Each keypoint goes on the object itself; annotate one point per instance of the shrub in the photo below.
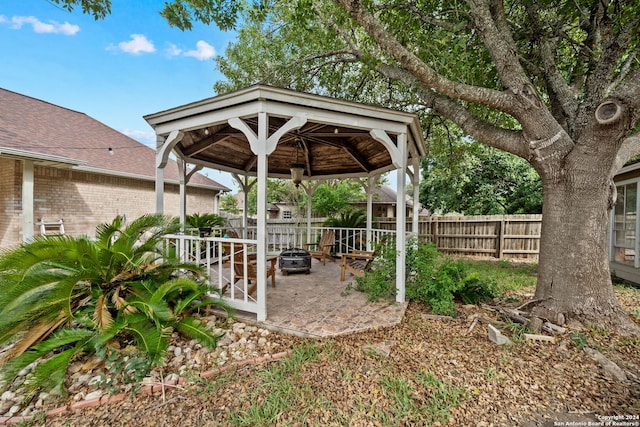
(378, 282)
(64, 298)
(431, 278)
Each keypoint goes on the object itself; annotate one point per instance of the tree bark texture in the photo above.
(574, 280)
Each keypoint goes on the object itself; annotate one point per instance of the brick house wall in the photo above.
(84, 200)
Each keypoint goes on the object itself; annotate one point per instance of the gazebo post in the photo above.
(371, 184)
(262, 145)
(401, 219)
(261, 234)
(246, 187)
(415, 182)
(163, 149)
(160, 164)
(183, 191)
(309, 189)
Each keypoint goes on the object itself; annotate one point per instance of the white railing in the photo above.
(222, 257)
(227, 260)
(281, 237)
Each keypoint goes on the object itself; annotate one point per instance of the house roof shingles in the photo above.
(41, 130)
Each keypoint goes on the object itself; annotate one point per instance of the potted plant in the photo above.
(205, 223)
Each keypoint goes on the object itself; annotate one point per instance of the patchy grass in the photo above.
(440, 372)
(510, 276)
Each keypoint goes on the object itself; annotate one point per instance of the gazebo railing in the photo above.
(219, 255)
(281, 237)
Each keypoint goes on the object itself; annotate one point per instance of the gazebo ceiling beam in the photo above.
(250, 164)
(358, 159)
(203, 145)
(348, 148)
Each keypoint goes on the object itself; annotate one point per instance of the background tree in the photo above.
(278, 191)
(229, 204)
(556, 83)
(334, 196)
(480, 180)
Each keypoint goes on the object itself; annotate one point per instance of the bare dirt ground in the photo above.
(437, 372)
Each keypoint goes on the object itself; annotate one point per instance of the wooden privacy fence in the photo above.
(499, 236)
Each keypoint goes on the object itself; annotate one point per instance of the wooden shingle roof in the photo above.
(336, 139)
(53, 135)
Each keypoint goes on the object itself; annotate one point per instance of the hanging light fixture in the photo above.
(297, 168)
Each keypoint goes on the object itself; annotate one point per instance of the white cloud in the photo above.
(202, 52)
(52, 27)
(173, 50)
(137, 45)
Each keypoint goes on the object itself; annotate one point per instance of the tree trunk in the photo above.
(574, 282)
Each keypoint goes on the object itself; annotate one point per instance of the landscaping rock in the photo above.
(381, 348)
(495, 336)
(609, 367)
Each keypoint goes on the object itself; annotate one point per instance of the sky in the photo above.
(116, 70)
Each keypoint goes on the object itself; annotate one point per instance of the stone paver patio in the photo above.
(316, 305)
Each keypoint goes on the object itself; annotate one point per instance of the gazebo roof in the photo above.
(336, 139)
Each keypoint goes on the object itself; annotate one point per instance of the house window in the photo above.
(624, 226)
(286, 214)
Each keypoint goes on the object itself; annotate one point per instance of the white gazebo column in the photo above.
(309, 190)
(399, 158)
(183, 191)
(262, 145)
(163, 149)
(415, 183)
(246, 187)
(401, 220)
(27, 199)
(372, 181)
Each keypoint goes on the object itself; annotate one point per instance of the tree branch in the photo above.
(613, 48)
(629, 93)
(493, 29)
(557, 86)
(631, 60)
(449, 26)
(629, 149)
(424, 73)
(494, 136)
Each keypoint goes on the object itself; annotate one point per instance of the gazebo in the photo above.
(263, 131)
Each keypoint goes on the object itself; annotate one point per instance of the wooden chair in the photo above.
(323, 247)
(252, 271)
(356, 263)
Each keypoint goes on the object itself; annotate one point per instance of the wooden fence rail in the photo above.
(499, 236)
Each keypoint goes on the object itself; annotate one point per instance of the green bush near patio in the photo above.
(64, 299)
(431, 278)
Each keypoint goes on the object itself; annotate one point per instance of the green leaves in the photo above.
(73, 295)
(472, 179)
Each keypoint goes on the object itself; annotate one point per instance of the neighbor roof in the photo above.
(56, 136)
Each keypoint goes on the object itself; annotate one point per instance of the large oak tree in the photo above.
(556, 83)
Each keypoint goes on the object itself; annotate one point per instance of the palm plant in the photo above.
(349, 218)
(197, 220)
(63, 298)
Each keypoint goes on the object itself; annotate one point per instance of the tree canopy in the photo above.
(480, 180)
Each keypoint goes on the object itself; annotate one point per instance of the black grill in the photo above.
(294, 260)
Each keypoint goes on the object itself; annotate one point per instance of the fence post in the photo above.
(434, 232)
(500, 237)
